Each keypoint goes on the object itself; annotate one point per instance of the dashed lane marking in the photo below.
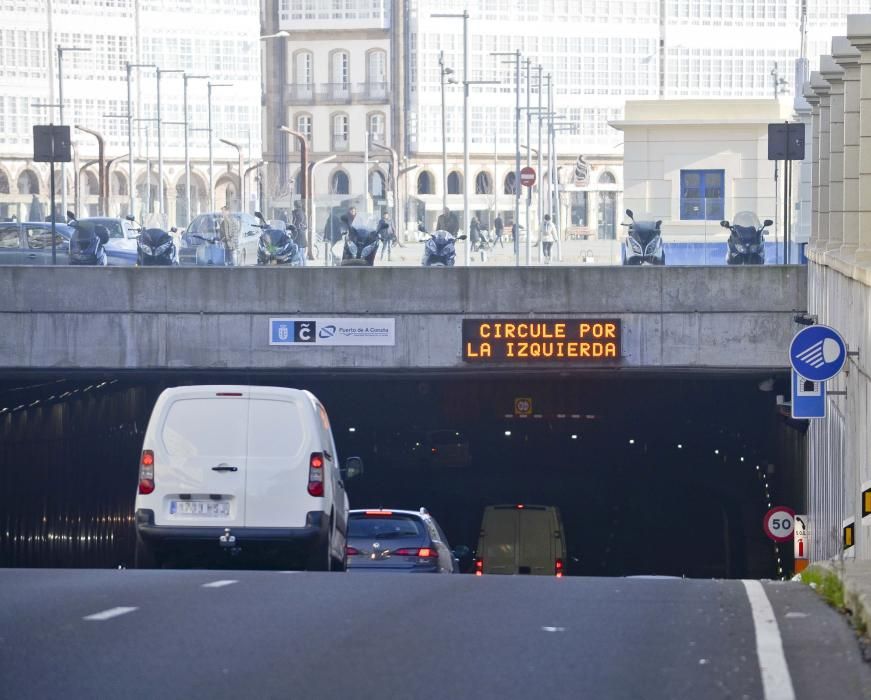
(109, 614)
(776, 681)
(220, 584)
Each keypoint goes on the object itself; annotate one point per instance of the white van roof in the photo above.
(250, 391)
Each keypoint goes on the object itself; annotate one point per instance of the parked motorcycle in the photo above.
(746, 244)
(87, 243)
(360, 247)
(277, 245)
(211, 252)
(156, 247)
(440, 249)
(643, 243)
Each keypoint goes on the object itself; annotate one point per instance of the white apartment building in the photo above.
(214, 38)
(329, 77)
(600, 53)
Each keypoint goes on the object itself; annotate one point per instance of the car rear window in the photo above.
(385, 527)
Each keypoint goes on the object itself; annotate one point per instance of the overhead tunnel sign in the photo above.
(569, 341)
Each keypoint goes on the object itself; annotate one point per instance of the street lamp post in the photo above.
(101, 169)
(465, 17)
(60, 95)
(307, 180)
(161, 194)
(131, 189)
(444, 72)
(540, 68)
(187, 160)
(241, 183)
(211, 159)
(311, 220)
(528, 154)
(394, 174)
(516, 59)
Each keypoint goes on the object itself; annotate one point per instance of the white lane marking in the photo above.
(553, 629)
(796, 614)
(109, 614)
(776, 681)
(220, 584)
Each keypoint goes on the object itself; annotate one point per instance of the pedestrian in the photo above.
(387, 233)
(498, 226)
(548, 237)
(37, 213)
(449, 222)
(228, 232)
(474, 233)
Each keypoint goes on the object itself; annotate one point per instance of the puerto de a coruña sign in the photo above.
(554, 340)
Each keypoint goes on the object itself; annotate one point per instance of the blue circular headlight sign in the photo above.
(817, 353)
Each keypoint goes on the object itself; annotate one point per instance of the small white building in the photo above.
(693, 163)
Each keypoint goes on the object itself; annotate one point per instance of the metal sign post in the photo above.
(51, 144)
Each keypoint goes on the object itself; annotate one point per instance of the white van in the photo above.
(521, 539)
(240, 468)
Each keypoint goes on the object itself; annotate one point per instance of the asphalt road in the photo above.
(170, 634)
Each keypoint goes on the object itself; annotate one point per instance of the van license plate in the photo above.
(208, 509)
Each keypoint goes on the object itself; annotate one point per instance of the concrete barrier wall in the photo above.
(134, 318)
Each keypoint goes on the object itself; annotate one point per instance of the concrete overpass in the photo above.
(671, 318)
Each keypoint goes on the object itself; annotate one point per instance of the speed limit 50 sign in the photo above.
(779, 523)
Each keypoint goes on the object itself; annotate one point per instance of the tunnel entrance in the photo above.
(654, 475)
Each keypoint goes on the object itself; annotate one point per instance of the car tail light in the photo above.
(378, 513)
(146, 472)
(479, 567)
(423, 552)
(558, 568)
(316, 474)
(351, 551)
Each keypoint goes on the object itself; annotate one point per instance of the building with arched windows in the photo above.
(217, 39)
(330, 80)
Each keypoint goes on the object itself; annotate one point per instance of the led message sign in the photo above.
(553, 339)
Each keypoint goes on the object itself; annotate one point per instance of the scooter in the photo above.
(360, 247)
(156, 247)
(210, 253)
(440, 249)
(643, 243)
(277, 246)
(746, 244)
(87, 243)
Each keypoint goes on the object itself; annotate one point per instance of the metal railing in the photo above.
(338, 93)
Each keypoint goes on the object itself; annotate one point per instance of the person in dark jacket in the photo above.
(387, 234)
(498, 226)
(448, 221)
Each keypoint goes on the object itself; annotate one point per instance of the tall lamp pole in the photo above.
(211, 159)
(307, 179)
(161, 193)
(102, 194)
(444, 71)
(187, 159)
(60, 100)
(516, 59)
(241, 182)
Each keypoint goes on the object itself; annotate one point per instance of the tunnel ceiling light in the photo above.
(679, 446)
(574, 436)
(631, 441)
(352, 430)
(757, 467)
(507, 433)
(716, 452)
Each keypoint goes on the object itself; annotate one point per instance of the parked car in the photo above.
(121, 248)
(408, 541)
(521, 539)
(205, 227)
(29, 243)
(229, 470)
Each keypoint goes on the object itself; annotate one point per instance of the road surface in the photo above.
(247, 634)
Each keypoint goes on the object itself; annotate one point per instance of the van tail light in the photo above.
(316, 474)
(422, 552)
(146, 472)
(479, 567)
(351, 551)
(558, 568)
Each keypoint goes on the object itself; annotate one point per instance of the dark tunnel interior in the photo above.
(654, 474)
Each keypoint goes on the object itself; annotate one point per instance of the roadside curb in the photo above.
(855, 578)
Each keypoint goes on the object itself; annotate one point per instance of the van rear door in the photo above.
(281, 438)
(536, 539)
(500, 539)
(199, 472)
